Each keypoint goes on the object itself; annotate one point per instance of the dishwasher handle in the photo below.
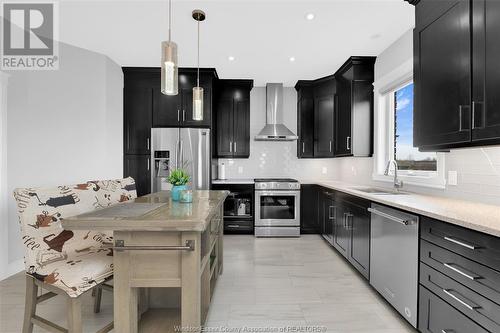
(390, 217)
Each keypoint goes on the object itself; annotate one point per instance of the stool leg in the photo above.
(74, 315)
(30, 304)
(97, 299)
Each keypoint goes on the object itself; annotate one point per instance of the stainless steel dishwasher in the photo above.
(394, 258)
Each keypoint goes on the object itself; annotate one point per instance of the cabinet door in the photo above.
(137, 107)
(309, 202)
(305, 144)
(486, 72)
(358, 221)
(322, 198)
(241, 128)
(324, 115)
(442, 75)
(166, 109)
(341, 235)
(343, 107)
(225, 128)
(138, 167)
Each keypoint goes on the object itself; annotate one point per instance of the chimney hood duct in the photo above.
(274, 129)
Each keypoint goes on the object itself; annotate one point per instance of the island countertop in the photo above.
(153, 212)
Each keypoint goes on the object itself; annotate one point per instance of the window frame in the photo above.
(384, 89)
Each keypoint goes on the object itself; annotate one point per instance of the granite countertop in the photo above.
(234, 181)
(476, 216)
(153, 212)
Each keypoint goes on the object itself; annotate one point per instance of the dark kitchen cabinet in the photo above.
(486, 72)
(335, 113)
(309, 209)
(232, 127)
(177, 110)
(324, 114)
(442, 73)
(354, 107)
(358, 225)
(137, 107)
(235, 220)
(138, 167)
(351, 236)
(456, 76)
(305, 119)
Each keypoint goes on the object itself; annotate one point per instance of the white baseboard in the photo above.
(13, 268)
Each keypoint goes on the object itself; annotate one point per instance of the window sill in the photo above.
(433, 182)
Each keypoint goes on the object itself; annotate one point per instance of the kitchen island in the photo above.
(159, 243)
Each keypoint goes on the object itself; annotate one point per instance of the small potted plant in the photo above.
(178, 178)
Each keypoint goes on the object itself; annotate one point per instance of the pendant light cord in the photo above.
(198, 79)
(169, 20)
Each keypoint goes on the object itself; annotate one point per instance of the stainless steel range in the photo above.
(277, 208)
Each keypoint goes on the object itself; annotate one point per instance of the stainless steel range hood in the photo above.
(274, 129)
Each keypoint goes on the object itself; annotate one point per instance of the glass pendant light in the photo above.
(199, 16)
(169, 71)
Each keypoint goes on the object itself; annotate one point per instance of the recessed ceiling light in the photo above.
(230, 58)
(309, 16)
(292, 59)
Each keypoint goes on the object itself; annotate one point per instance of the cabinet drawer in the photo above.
(470, 303)
(238, 226)
(481, 279)
(474, 245)
(437, 316)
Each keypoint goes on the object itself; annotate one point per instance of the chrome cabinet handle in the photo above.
(120, 246)
(390, 217)
(235, 146)
(232, 226)
(183, 115)
(446, 331)
(330, 146)
(147, 142)
(303, 147)
(348, 143)
(230, 146)
(471, 276)
(330, 216)
(178, 115)
(450, 292)
(149, 164)
(461, 243)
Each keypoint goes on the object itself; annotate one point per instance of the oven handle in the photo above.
(276, 193)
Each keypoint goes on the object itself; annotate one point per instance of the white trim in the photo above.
(13, 268)
(400, 76)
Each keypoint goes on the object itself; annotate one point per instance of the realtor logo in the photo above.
(29, 36)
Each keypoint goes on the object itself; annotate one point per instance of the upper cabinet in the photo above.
(177, 111)
(455, 74)
(137, 111)
(305, 119)
(232, 118)
(354, 107)
(335, 113)
(324, 115)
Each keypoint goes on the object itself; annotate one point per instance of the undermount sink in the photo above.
(376, 191)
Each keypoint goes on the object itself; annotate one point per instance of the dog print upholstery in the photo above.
(73, 261)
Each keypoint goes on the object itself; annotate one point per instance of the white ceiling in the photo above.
(261, 35)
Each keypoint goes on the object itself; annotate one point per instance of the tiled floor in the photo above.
(266, 283)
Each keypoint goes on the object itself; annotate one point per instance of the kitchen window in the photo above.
(394, 134)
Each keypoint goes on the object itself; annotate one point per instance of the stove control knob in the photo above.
(263, 185)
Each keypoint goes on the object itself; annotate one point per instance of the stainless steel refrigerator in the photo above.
(186, 148)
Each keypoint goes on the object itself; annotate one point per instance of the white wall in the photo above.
(478, 168)
(4, 250)
(276, 158)
(64, 126)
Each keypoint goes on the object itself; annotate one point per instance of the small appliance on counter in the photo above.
(222, 171)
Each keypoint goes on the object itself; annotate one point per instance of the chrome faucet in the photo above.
(397, 183)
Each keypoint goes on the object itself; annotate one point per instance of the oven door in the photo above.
(277, 208)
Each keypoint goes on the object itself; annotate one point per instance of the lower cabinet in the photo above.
(345, 223)
(309, 209)
(239, 208)
(138, 167)
(437, 316)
